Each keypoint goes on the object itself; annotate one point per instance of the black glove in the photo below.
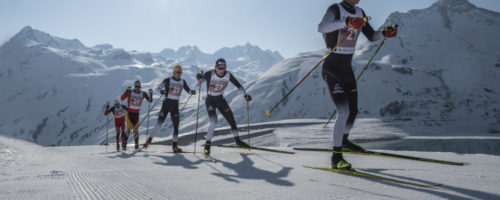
(199, 76)
(129, 89)
(150, 91)
(193, 92)
(162, 92)
(248, 97)
(107, 106)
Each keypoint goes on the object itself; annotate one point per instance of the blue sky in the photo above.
(287, 26)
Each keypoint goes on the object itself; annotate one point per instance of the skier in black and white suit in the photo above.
(171, 87)
(345, 20)
(217, 81)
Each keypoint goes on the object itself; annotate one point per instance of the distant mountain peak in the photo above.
(454, 4)
(27, 35)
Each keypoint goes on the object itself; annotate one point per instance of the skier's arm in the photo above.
(109, 110)
(125, 94)
(237, 84)
(147, 97)
(186, 87)
(331, 20)
(124, 107)
(163, 85)
(371, 34)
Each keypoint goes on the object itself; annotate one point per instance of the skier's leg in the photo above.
(212, 115)
(228, 114)
(339, 98)
(175, 120)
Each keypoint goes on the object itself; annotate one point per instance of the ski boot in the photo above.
(338, 161)
(348, 145)
(240, 143)
(176, 148)
(124, 146)
(136, 140)
(145, 145)
(117, 146)
(206, 151)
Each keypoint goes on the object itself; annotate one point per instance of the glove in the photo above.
(390, 31)
(356, 22)
(199, 76)
(162, 92)
(193, 92)
(129, 89)
(248, 97)
(107, 106)
(150, 91)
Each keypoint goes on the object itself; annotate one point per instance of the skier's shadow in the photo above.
(178, 160)
(246, 170)
(471, 193)
(124, 154)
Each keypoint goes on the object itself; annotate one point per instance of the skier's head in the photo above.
(177, 71)
(220, 66)
(352, 2)
(117, 103)
(137, 86)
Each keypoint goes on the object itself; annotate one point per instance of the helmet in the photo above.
(220, 61)
(117, 101)
(177, 68)
(137, 83)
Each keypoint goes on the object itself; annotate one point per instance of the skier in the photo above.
(217, 81)
(345, 20)
(118, 111)
(134, 107)
(172, 88)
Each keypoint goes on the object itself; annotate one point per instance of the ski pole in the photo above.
(362, 71)
(197, 114)
(187, 101)
(268, 112)
(147, 124)
(107, 126)
(149, 110)
(248, 126)
(331, 117)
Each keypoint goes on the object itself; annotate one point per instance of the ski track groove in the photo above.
(108, 184)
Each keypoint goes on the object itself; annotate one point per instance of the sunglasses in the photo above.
(178, 72)
(221, 68)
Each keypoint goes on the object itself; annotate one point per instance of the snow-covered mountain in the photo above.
(247, 62)
(55, 89)
(441, 70)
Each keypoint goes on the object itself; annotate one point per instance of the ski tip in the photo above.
(268, 112)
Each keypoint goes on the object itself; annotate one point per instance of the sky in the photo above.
(286, 26)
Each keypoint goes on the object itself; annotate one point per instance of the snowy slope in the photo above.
(90, 172)
(55, 89)
(441, 70)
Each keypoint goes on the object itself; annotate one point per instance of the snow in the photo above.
(29, 171)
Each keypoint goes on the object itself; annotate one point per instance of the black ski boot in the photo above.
(338, 161)
(240, 143)
(118, 146)
(348, 145)
(207, 147)
(176, 148)
(124, 142)
(124, 146)
(136, 143)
